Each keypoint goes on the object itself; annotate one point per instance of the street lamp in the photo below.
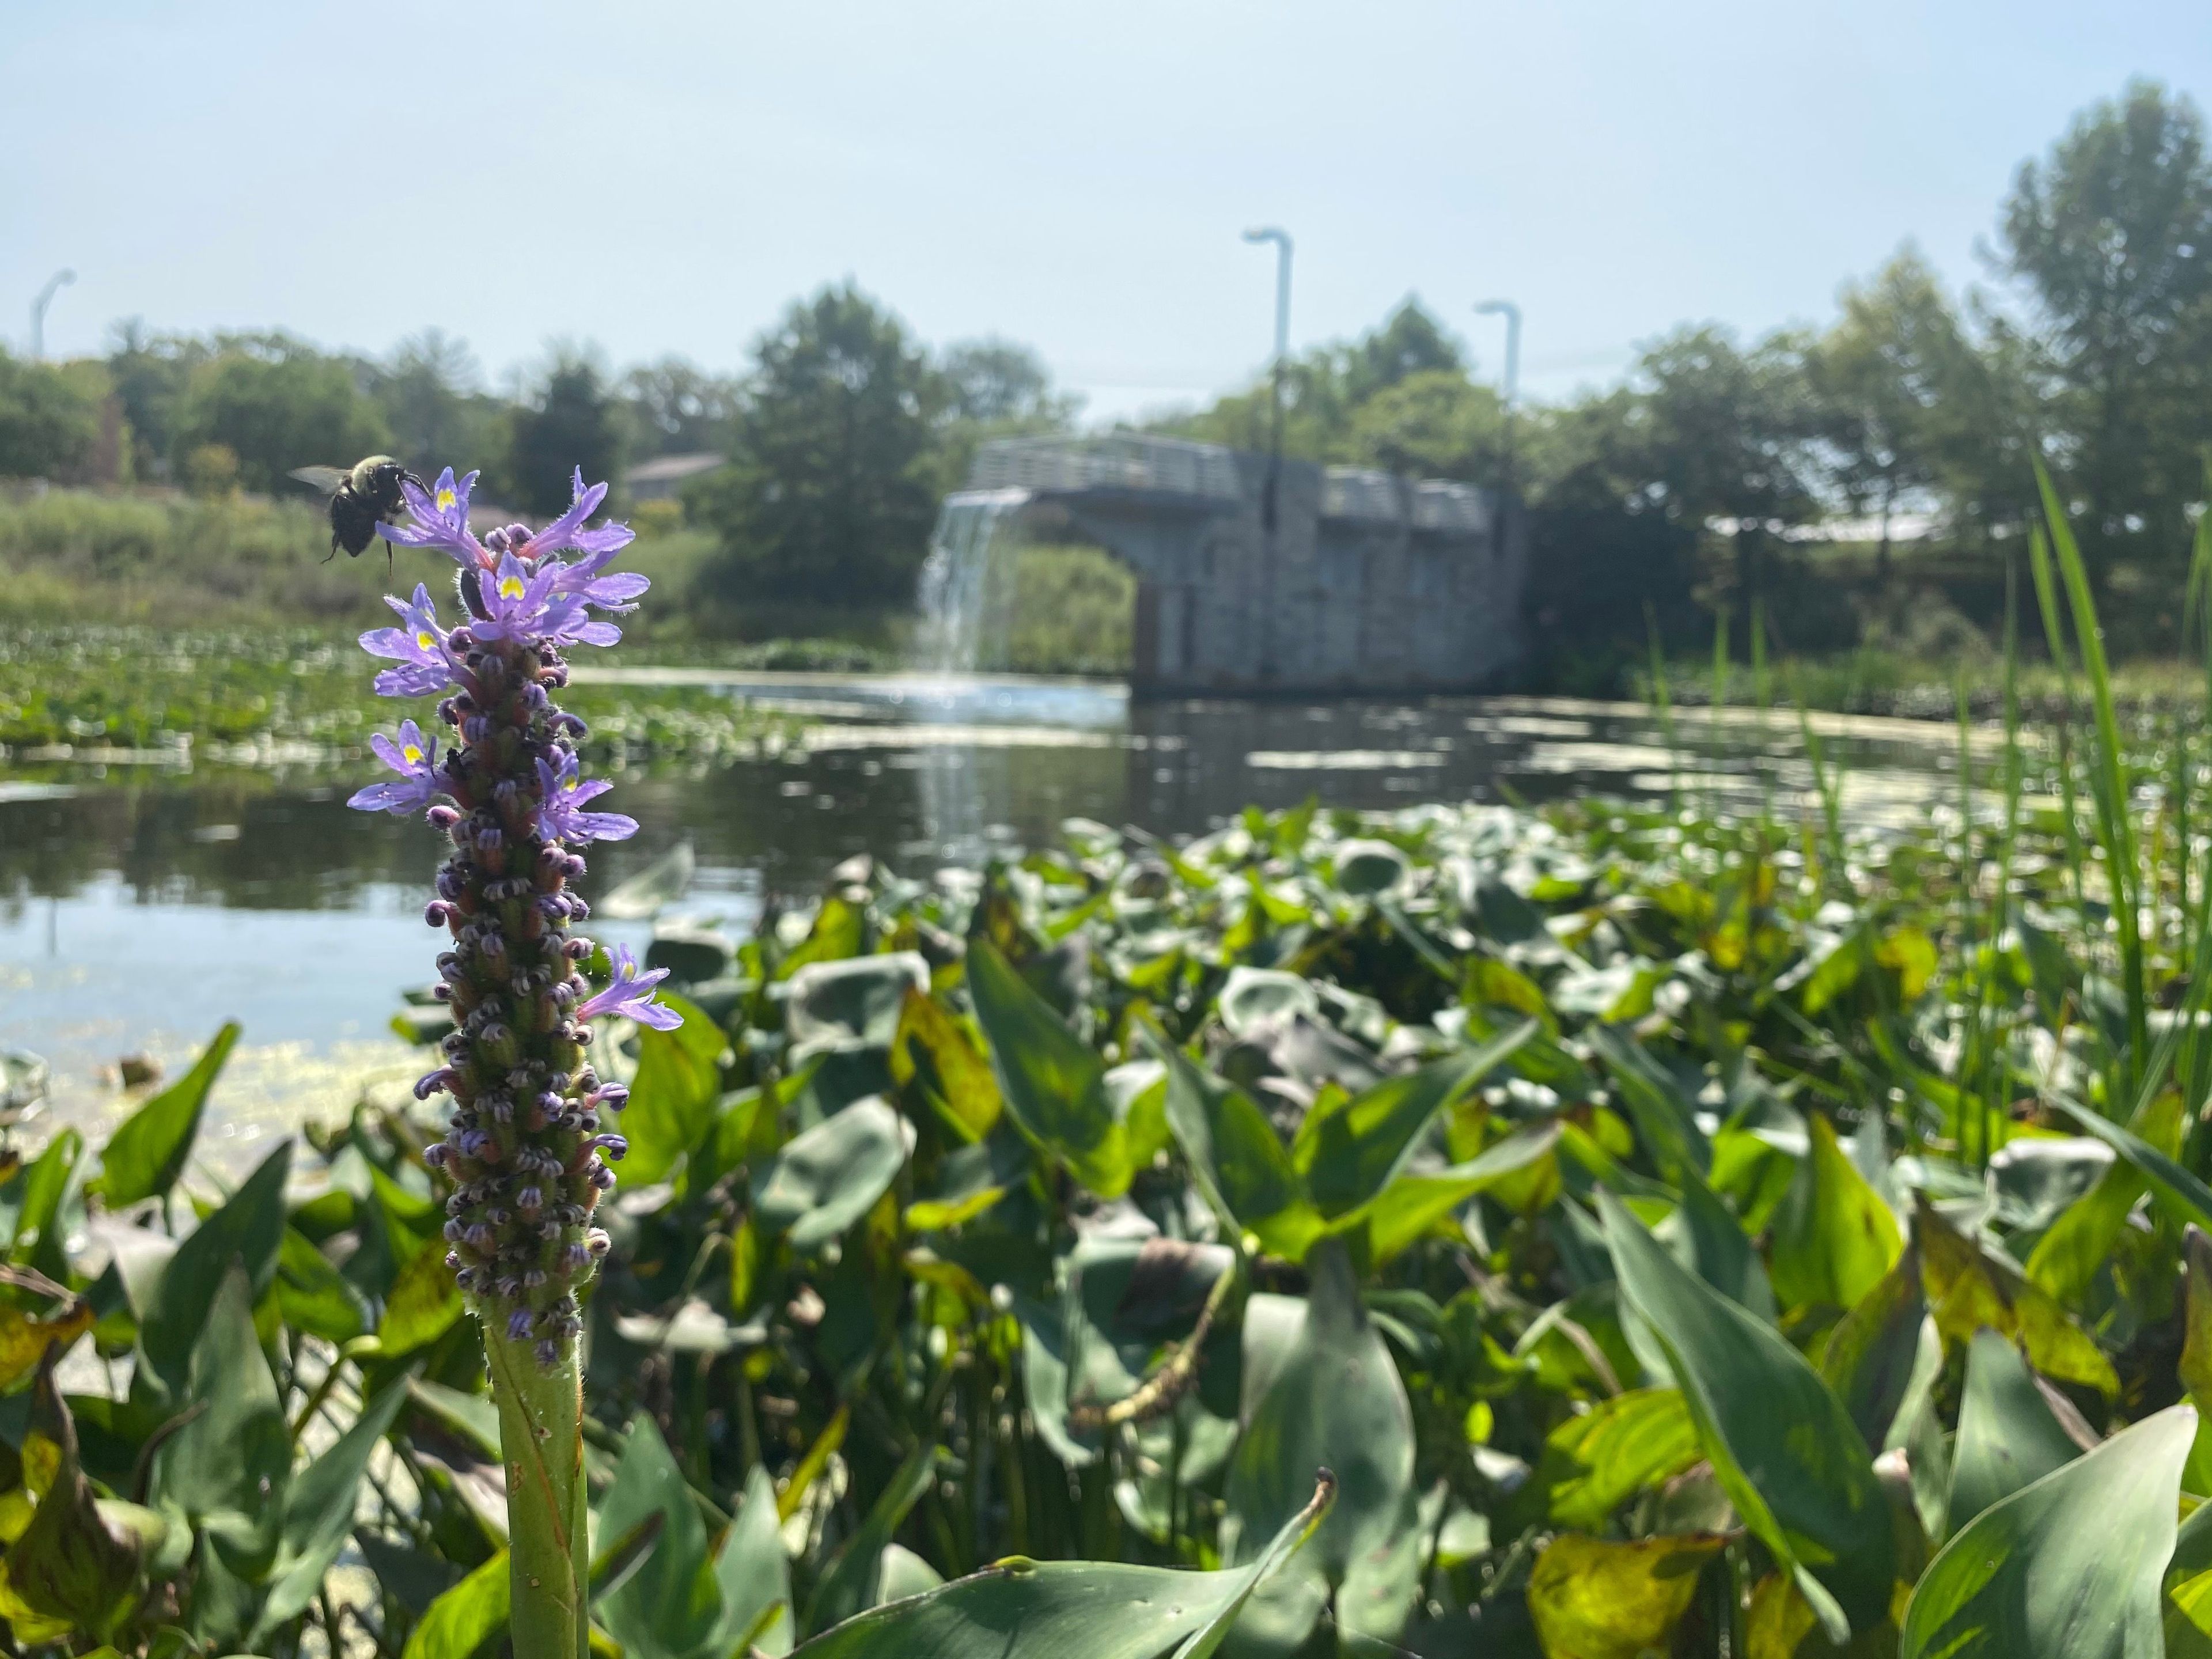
(59, 279)
(1511, 312)
(1281, 238)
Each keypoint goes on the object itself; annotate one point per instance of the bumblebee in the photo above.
(361, 499)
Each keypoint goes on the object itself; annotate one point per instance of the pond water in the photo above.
(141, 909)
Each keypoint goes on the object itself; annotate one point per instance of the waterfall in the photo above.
(966, 595)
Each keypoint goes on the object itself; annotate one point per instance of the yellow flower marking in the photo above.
(414, 755)
(511, 588)
(425, 640)
(445, 500)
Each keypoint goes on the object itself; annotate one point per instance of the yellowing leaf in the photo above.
(1969, 1289)
(1593, 1599)
(963, 1086)
(1911, 955)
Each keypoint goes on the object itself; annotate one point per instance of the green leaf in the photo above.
(1594, 1463)
(1968, 1288)
(1350, 1148)
(1237, 1159)
(1782, 1445)
(673, 1096)
(753, 1574)
(423, 1305)
(466, 1617)
(313, 1296)
(669, 1607)
(1054, 1086)
(249, 1230)
(318, 1512)
(1365, 868)
(849, 1585)
(1835, 1238)
(2174, 1183)
(226, 1469)
(1025, 1610)
(2078, 1246)
(1335, 1401)
(1869, 1356)
(147, 1153)
(45, 1185)
(1410, 1207)
(900, 1574)
(826, 1178)
(851, 1006)
(72, 1564)
(1592, 1598)
(2068, 1568)
(1704, 1235)
(2008, 1437)
(1665, 1118)
(960, 1076)
(2188, 1583)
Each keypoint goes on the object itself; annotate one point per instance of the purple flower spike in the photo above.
(414, 757)
(561, 817)
(440, 520)
(521, 1147)
(631, 995)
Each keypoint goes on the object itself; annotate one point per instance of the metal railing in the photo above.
(1165, 466)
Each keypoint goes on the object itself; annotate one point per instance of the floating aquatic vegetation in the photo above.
(1671, 1231)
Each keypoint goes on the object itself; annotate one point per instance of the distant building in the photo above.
(663, 479)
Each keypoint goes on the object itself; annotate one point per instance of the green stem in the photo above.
(541, 1428)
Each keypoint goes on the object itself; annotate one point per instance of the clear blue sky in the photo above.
(665, 177)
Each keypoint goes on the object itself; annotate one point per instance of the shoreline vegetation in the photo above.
(1467, 1228)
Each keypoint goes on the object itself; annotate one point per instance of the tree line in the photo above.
(2090, 346)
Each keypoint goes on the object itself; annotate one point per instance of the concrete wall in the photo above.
(1365, 582)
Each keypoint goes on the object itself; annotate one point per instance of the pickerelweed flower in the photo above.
(417, 645)
(439, 518)
(524, 1148)
(630, 995)
(414, 757)
(563, 793)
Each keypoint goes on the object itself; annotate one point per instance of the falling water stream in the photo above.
(965, 596)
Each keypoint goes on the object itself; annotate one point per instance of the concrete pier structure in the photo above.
(1345, 581)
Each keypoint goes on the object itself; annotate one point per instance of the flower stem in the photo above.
(541, 1425)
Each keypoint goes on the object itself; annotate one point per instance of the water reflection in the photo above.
(140, 913)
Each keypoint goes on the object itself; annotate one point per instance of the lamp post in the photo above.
(59, 279)
(1281, 238)
(1511, 312)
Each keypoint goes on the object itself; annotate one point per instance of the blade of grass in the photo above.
(2115, 824)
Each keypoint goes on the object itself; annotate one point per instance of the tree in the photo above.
(997, 383)
(1325, 389)
(1727, 433)
(2112, 234)
(1410, 342)
(570, 423)
(147, 373)
(429, 391)
(1877, 381)
(49, 419)
(1433, 424)
(676, 408)
(276, 403)
(831, 491)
